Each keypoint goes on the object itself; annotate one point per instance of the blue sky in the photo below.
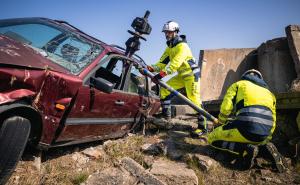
(208, 24)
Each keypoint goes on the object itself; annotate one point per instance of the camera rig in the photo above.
(141, 26)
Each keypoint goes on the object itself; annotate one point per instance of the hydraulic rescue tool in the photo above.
(141, 26)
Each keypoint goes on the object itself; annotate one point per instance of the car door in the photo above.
(99, 115)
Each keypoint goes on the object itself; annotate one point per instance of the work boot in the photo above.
(201, 130)
(163, 119)
(276, 157)
(248, 159)
(197, 133)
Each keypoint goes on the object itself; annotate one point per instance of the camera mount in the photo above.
(141, 26)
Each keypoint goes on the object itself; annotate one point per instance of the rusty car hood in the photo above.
(17, 54)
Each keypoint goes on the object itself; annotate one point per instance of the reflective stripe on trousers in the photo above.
(166, 104)
(257, 114)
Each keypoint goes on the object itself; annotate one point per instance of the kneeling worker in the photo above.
(254, 109)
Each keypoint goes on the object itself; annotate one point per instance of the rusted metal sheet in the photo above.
(221, 68)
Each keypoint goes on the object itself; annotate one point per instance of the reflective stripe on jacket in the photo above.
(254, 107)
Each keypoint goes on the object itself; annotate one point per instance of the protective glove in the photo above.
(159, 76)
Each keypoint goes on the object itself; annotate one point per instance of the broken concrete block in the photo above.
(154, 149)
(80, 159)
(224, 67)
(37, 163)
(116, 176)
(293, 37)
(172, 151)
(95, 153)
(274, 60)
(174, 173)
(204, 163)
(139, 172)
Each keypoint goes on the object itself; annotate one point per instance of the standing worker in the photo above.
(178, 57)
(253, 106)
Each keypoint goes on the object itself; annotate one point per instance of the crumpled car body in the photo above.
(50, 73)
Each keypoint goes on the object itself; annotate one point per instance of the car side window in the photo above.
(137, 82)
(112, 71)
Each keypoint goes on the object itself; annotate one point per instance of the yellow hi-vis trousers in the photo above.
(231, 140)
(192, 88)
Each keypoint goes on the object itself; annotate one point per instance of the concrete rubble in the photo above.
(165, 171)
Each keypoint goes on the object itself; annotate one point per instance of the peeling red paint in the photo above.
(15, 95)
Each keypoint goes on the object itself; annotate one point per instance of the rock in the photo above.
(139, 172)
(297, 179)
(293, 37)
(178, 134)
(204, 163)
(172, 152)
(95, 153)
(295, 85)
(270, 179)
(162, 123)
(116, 176)
(80, 159)
(107, 143)
(263, 172)
(173, 173)
(154, 149)
(148, 160)
(16, 179)
(37, 162)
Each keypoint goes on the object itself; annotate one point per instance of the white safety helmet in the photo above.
(171, 26)
(253, 72)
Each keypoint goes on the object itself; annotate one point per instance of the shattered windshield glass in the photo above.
(69, 50)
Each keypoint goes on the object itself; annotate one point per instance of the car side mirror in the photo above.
(102, 84)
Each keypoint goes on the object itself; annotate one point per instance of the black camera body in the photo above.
(141, 25)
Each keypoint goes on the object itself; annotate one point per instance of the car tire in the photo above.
(14, 134)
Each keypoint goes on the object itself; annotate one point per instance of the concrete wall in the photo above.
(276, 64)
(222, 67)
(293, 37)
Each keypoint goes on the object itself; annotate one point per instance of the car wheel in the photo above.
(14, 134)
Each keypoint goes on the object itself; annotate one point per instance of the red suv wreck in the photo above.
(60, 86)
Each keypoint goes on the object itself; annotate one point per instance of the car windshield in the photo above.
(69, 50)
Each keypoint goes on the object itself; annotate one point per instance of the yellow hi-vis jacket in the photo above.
(250, 102)
(177, 57)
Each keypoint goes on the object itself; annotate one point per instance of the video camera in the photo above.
(141, 25)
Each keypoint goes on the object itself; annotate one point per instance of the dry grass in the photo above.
(126, 148)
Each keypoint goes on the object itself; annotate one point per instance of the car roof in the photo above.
(66, 26)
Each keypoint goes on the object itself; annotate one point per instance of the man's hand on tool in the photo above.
(159, 76)
(149, 68)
